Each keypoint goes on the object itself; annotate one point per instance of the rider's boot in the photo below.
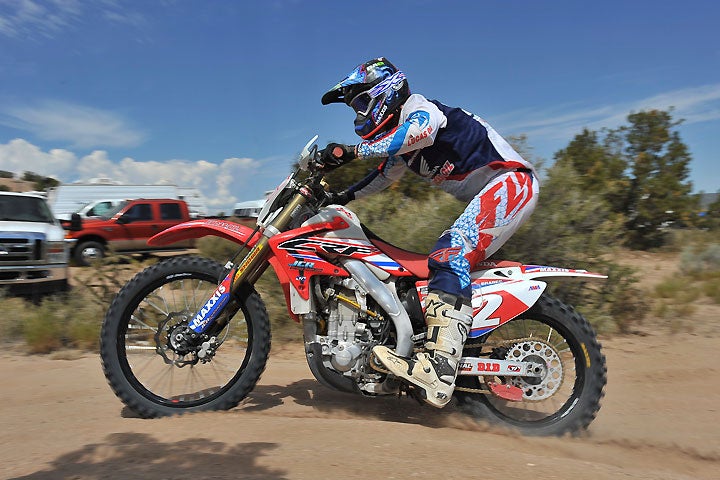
(433, 371)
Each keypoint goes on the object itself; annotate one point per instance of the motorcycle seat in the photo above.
(413, 262)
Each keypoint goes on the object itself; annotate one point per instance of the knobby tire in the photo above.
(169, 277)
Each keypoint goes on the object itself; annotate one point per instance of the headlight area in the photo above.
(57, 252)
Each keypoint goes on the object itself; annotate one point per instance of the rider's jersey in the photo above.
(452, 148)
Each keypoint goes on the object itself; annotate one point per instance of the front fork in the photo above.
(246, 273)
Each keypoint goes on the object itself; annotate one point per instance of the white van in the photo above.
(249, 209)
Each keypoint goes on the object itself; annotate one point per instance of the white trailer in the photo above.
(70, 198)
(195, 201)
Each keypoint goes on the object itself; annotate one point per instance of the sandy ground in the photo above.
(660, 419)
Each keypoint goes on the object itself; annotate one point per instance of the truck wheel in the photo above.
(88, 252)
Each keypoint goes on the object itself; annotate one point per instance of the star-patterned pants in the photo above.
(488, 221)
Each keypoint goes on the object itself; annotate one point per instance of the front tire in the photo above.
(139, 362)
(88, 252)
(565, 401)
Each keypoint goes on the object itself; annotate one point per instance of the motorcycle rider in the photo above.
(460, 153)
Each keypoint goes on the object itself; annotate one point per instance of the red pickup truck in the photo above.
(126, 228)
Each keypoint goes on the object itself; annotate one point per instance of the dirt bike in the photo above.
(190, 334)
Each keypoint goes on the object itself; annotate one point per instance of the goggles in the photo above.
(362, 103)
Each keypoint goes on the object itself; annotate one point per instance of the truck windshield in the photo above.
(108, 214)
(24, 209)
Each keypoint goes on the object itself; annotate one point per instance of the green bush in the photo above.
(71, 320)
(711, 289)
(68, 321)
(698, 275)
(44, 330)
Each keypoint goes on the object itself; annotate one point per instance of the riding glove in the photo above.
(335, 155)
(340, 198)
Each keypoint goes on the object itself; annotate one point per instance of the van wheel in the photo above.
(88, 252)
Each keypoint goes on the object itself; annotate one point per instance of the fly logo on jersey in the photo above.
(519, 192)
(425, 169)
(446, 254)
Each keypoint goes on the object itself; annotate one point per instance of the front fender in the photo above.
(201, 228)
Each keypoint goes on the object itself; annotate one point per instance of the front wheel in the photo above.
(88, 252)
(566, 399)
(142, 361)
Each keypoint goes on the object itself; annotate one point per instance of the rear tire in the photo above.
(141, 366)
(559, 406)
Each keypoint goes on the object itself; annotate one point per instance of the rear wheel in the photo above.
(153, 374)
(567, 397)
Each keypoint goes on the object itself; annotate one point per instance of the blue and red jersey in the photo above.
(451, 148)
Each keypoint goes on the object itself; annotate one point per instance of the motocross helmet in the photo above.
(375, 90)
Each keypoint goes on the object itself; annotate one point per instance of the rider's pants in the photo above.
(488, 221)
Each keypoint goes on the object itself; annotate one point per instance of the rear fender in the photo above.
(201, 228)
(502, 293)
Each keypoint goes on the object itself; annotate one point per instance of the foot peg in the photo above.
(506, 392)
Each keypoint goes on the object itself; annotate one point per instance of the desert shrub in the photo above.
(711, 289)
(217, 248)
(697, 276)
(677, 289)
(680, 239)
(100, 282)
(67, 321)
(574, 228)
(700, 259)
(15, 313)
(412, 224)
(44, 329)
(71, 320)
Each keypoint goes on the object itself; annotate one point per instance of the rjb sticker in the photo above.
(488, 367)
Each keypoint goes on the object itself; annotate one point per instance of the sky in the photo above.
(222, 95)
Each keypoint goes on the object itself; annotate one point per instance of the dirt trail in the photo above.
(659, 420)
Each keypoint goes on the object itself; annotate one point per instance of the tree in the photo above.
(600, 165)
(40, 183)
(659, 190)
(639, 171)
(573, 227)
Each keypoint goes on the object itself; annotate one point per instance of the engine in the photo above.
(348, 325)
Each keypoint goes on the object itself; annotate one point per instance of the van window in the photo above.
(170, 211)
(247, 212)
(139, 212)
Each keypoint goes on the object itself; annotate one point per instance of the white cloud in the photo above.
(219, 183)
(21, 156)
(46, 19)
(694, 105)
(33, 18)
(82, 126)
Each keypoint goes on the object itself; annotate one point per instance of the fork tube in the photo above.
(249, 270)
(253, 265)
